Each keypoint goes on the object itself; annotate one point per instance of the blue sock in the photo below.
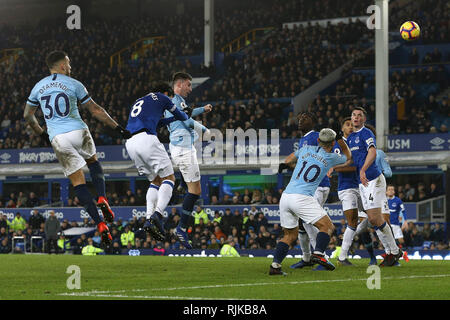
(88, 202)
(322, 241)
(188, 206)
(98, 179)
(281, 252)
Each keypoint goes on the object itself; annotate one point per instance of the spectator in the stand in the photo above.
(226, 222)
(434, 191)
(4, 223)
(443, 129)
(237, 220)
(52, 227)
(35, 219)
(200, 214)
(5, 246)
(416, 238)
(33, 201)
(77, 247)
(426, 232)
(438, 234)
(261, 220)
(257, 197)
(226, 200)
(217, 217)
(22, 200)
(18, 223)
(219, 234)
(11, 204)
(214, 200)
(409, 192)
(127, 237)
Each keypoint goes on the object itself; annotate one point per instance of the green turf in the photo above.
(155, 277)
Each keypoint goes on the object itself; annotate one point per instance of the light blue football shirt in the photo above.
(58, 95)
(312, 165)
(383, 164)
(182, 133)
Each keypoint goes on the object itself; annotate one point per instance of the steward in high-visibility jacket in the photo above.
(229, 251)
(127, 236)
(90, 250)
(18, 223)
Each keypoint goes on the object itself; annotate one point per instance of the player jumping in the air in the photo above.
(58, 95)
(182, 138)
(148, 153)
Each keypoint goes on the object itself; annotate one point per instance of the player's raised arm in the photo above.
(101, 115)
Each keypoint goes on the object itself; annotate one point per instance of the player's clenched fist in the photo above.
(208, 108)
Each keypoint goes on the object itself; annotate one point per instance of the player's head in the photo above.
(182, 83)
(306, 121)
(390, 190)
(359, 117)
(58, 62)
(327, 139)
(163, 87)
(346, 126)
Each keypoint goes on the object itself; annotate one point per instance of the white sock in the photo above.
(346, 242)
(304, 245)
(389, 238)
(152, 198)
(383, 241)
(362, 226)
(164, 195)
(312, 233)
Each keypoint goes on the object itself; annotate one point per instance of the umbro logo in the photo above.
(437, 141)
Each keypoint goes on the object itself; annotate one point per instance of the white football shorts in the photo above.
(149, 156)
(186, 161)
(350, 199)
(374, 195)
(321, 195)
(294, 206)
(72, 148)
(397, 230)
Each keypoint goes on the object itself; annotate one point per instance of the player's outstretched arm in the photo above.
(385, 167)
(200, 110)
(101, 115)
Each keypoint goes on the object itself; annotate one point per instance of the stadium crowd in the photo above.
(277, 66)
(244, 230)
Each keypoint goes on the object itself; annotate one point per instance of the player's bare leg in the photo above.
(289, 237)
(87, 200)
(326, 229)
(98, 180)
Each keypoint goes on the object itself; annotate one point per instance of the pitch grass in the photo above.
(155, 277)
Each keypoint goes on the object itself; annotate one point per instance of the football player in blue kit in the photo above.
(58, 96)
(148, 153)
(372, 183)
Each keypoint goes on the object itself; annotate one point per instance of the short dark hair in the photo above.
(54, 57)
(312, 115)
(361, 109)
(162, 86)
(180, 76)
(345, 119)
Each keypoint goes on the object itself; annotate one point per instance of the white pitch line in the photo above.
(88, 294)
(108, 293)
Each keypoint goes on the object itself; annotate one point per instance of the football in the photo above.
(410, 31)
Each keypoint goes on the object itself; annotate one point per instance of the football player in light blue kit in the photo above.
(297, 201)
(184, 155)
(372, 183)
(58, 95)
(148, 153)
